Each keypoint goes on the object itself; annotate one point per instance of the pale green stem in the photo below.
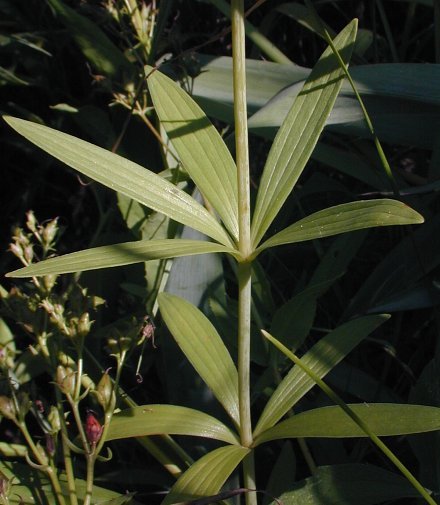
(262, 42)
(89, 478)
(44, 466)
(244, 267)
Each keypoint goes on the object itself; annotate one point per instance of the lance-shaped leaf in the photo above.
(343, 218)
(168, 420)
(299, 132)
(207, 475)
(384, 419)
(124, 176)
(201, 150)
(115, 255)
(204, 348)
(322, 358)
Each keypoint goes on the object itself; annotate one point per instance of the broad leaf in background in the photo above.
(343, 218)
(117, 255)
(347, 485)
(124, 176)
(299, 133)
(169, 420)
(207, 475)
(323, 356)
(204, 348)
(384, 419)
(201, 150)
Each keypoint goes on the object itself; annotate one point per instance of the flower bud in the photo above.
(50, 231)
(65, 379)
(54, 420)
(28, 253)
(49, 281)
(93, 429)
(31, 222)
(84, 325)
(104, 391)
(7, 408)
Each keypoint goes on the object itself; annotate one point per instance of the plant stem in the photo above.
(244, 267)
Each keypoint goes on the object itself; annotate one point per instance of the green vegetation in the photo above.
(251, 207)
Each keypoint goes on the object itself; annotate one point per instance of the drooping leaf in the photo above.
(384, 419)
(349, 484)
(122, 175)
(323, 356)
(299, 133)
(207, 475)
(168, 420)
(204, 348)
(114, 255)
(343, 218)
(202, 151)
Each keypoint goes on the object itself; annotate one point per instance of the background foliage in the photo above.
(73, 66)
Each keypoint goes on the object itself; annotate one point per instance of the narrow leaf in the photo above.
(201, 150)
(322, 358)
(122, 175)
(115, 255)
(207, 475)
(204, 348)
(343, 218)
(384, 419)
(299, 133)
(168, 420)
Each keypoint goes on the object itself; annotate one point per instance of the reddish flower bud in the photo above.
(93, 428)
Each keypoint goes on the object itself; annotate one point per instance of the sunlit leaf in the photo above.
(299, 133)
(384, 419)
(201, 149)
(343, 218)
(204, 348)
(115, 255)
(122, 175)
(169, 420)
(323, 356)
(207, 475)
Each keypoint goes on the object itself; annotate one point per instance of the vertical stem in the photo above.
(241, 128)
(245, 247)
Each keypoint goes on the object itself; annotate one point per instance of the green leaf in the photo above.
(323, 356)
(349, 484)
(343, 218)
(168, 420)
(115, 255)
(122, 175)
(299, 133)
(201, 150)
(384, 419)
(207, 475)
(105, 57)
(204, 348)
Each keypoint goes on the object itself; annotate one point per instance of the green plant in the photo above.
(225, 187)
